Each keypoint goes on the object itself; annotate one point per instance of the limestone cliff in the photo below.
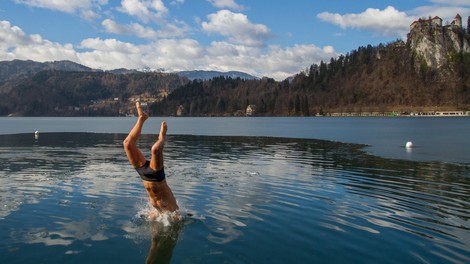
(436, 45)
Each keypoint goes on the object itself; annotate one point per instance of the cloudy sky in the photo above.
(262, 37)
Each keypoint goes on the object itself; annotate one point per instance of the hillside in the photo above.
(14, 72)
(62, 93)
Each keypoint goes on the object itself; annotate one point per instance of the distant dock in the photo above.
(442, 113)
(424, 113)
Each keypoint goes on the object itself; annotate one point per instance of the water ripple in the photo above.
(309, 197)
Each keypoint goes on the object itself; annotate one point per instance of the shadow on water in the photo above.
(253, 199)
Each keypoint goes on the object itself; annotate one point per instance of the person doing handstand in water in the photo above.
(151, 172)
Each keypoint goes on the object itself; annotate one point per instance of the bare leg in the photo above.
(160, 193)
(133, 153)
(156, 161)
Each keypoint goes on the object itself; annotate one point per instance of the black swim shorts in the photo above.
(148, 174)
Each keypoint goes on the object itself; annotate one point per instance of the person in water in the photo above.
(151, 172)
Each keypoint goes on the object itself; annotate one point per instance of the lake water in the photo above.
(252, 190)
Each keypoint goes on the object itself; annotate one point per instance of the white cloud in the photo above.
(109, 54)
(15, 44)
(173, 54)
(280, 62)
(145, 10)
(237, 28)
(177, 2)
(109, 45)
(135, 29)
(69, 6)
(64, 6)
(388, 22)
(11, 35)
(225, 56)
(130, 29)
(45, 50)
(166, 53)
(226, 4)
(86, 8)
(452, 2)
(447, 13)
(89, 15)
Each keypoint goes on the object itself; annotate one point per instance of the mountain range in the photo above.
(17, 70)
(428, 72)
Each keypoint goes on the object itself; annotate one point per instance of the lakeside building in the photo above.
(251, 110)
(180, 111)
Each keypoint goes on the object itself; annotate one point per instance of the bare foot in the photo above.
(141, 113)
(163, 130)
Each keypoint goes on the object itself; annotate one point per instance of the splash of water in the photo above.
(148, 213)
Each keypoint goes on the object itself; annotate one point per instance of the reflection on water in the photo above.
(72, 197)
(163, 241)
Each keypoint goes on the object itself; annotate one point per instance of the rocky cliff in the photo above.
(436, 45)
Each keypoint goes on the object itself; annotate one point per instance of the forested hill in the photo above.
(398, 76)
(13, 72)
(72, 93)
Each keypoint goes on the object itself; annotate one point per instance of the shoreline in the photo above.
(405, 114)
(341, 114)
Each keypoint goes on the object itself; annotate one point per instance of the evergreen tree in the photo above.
(305, 106)
(194, 107)
(291, 106)
(220, 105)
(297, 104)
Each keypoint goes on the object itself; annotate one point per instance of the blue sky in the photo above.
(264, 38)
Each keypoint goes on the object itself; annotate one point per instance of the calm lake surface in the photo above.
(252, 190)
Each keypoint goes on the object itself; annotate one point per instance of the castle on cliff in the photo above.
(436, 21)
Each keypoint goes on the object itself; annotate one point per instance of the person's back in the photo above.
(161, 196)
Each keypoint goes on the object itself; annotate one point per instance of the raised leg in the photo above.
(133, 153)
(156, 161)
